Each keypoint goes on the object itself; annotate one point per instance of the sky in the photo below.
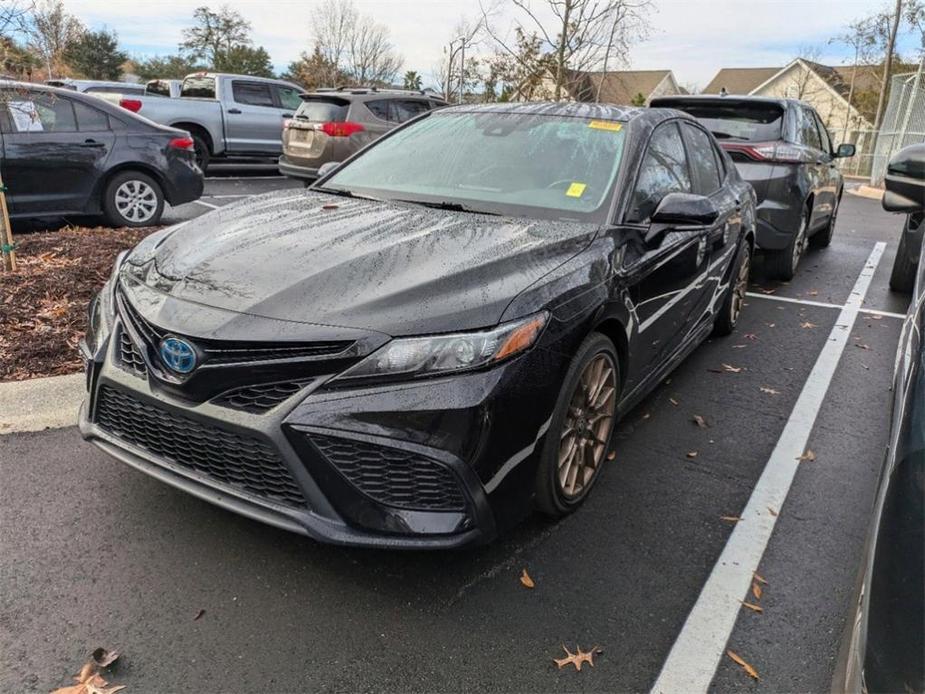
(693, 38)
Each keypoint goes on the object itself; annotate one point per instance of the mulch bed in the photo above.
(43, 305)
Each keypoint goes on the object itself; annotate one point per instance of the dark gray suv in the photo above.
(333, 124)
(783, 149)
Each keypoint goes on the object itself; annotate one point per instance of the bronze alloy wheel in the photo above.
(588, 423)
(740, 288)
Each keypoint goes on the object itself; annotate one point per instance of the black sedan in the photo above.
(437, 337)
(885, 647)
(68, 154)
(782, 148)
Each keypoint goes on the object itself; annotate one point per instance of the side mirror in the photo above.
(327, 167)
(845, 150)
(684, 209)
(905, 181)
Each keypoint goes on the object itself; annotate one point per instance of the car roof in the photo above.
(573, 109)
(358, 93)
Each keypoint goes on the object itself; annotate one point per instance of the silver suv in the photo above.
(331, 124)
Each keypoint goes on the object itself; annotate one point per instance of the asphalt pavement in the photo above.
(93, 553)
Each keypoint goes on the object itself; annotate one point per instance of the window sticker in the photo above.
(576, 189)
(606, 125)
(25, 116)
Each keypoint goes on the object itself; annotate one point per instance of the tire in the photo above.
(902, 277)
(203, 155)
(729, 312)
(572, 430)
(133, 199)
(783, 264)
(822, 239)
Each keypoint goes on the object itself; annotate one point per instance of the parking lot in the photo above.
(197, 597)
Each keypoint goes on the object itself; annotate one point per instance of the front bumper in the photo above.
(293, 170)
(351, 467)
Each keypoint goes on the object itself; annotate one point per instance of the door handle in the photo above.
(234, 111)
(287, 115)
(92, 143)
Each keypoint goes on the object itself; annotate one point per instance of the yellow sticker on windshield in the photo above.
(576, 189)
(605, 125)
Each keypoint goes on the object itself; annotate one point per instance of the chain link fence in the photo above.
(903, 122)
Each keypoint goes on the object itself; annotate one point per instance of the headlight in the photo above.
(439, 354)
(100, 312)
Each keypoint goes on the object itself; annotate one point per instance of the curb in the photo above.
(40, 403)
(868, 192)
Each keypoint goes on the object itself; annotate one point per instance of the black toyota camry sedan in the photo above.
(437, 337)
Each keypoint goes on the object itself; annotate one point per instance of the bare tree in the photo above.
(581, 36)
(354, 45)
(51, 31)
(14, 17)
(859, 36)
(889, 49)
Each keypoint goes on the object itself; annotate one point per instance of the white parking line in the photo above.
(822, 304)
(206, 204)
(244, 178)
(696, 653)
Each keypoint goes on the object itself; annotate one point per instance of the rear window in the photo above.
(323, 109)
(742, 122)
(158, 88)
(201, 86)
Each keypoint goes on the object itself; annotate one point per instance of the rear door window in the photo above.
(37, 112)
(288, 97)
(200, 86)
(158, 88)
(824, 135)
(380, 109)
(809, 131)
(406, 109)
(323, 109)
(741, 122)
(664, 170)
(705, 171)
(252, 93)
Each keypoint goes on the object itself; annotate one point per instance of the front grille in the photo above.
(392, 476)
(260, 399)
(129, 357)
(233, 351)
(241, 462)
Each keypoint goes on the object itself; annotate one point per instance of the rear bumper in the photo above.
(293, 170)
(780, 196)
(342, 450)
(183, 182)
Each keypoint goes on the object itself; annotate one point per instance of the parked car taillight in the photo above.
(775, 152)
(344, 129)
(185, 143)
(133, 105)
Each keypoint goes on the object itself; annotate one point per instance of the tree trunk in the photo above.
(888, 64)
(560, 52)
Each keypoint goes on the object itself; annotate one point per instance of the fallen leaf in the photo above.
(770, 325)
(809, 455)
(749, 670)
(751, 336)
(772, 511)
(577, 658)
(199, 615)
(700, 421)
(526, 581)
(646, 415)
(104, 658)
(806, 325)
(89, 681)
(612, 455)
(769, 391)
(673, 401)
(759, 579)
(739, 346)
(732, 369)
(731, 519)
(756, 590)
(861, 346)
(876, 316)
(753, 608)
(813, 293)
(692, 454)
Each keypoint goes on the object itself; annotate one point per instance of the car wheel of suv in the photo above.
(202, 152)
(133, 199)
(731, 309)
(902, 277)
(783, 264)
(822, 239)
(579, 434)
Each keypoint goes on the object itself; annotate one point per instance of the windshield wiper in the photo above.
(448, 205)
(346, 194)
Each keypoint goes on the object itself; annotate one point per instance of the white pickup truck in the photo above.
(226, 115)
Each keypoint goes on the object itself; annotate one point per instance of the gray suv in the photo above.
(331, 124)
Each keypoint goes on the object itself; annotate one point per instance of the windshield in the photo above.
(532, 165)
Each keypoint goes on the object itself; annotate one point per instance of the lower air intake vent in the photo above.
(392, 476)
(129, 357)
(259, 399)
(241, 462)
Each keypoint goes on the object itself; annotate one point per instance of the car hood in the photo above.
(398, 269)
